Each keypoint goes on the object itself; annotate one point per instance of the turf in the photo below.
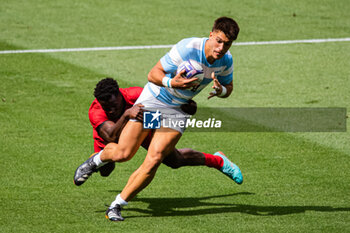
(294, 182)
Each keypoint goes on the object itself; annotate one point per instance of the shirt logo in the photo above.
(151, 120)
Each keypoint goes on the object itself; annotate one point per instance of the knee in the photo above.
(185, 153)
(152, 162)
(182, 157)
(156, 159)
(173, 162)
(117, 153)
(122, 156)
(177, 158)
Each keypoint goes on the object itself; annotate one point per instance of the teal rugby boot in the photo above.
(230, 169)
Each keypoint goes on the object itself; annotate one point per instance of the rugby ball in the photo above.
(193, 70)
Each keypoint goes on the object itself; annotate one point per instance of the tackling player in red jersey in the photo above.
(98, 116)
(112, 109)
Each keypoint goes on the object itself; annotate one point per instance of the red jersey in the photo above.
(97, 115)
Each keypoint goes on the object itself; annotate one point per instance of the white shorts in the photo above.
(171, 116)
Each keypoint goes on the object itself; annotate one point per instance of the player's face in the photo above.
(218, 45)
(114, 107)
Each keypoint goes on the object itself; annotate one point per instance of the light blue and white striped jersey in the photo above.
(186, 49)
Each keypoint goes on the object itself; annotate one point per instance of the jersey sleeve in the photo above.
(226, 76)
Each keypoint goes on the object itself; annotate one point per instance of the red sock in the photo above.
(213, 160)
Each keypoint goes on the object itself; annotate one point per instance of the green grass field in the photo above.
(294, 182)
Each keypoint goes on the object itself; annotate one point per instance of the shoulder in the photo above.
(186, 48)
(228, 57)
(226, 61)
(96, 114)
(130, 91)
(131, 94)
(95, 106)
(190, 44)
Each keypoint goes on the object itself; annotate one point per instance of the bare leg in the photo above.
(129, 142)
(184, 157)
(162, 144)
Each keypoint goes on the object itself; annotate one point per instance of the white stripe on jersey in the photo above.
(195, 44)
(227, 71)
(175, 56)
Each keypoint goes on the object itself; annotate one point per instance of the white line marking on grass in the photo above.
(85, 49)
(312, 41)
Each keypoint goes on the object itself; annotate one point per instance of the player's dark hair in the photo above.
(228, 26)
(105, 89)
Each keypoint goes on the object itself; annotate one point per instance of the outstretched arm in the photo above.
(221, 91)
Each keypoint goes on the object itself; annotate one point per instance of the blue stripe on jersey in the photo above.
(169, 98)
(168, 64)
(165, 96)
(224, 80)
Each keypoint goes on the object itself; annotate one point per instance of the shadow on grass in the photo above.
(193, 206)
